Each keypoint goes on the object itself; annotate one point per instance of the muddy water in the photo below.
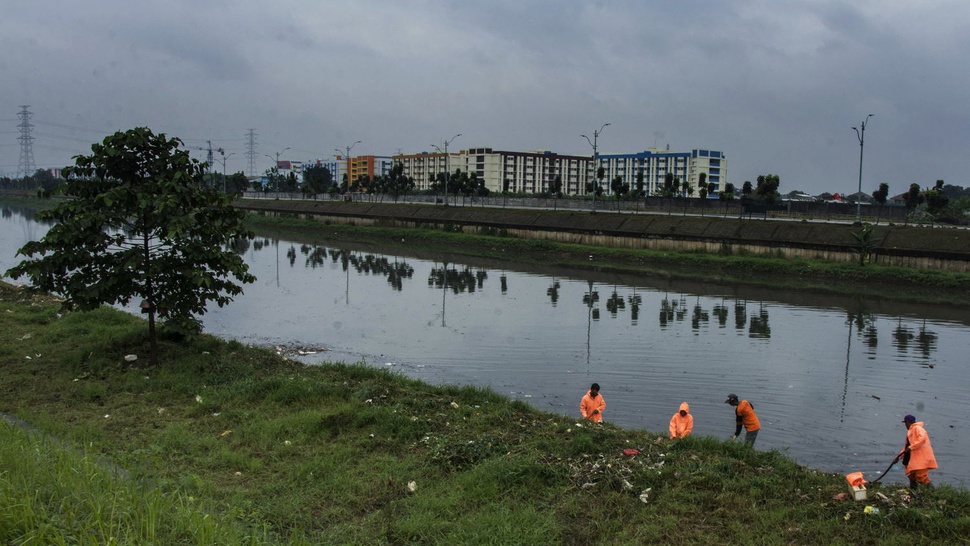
(830, 377)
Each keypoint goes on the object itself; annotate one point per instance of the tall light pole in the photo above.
(276, 165)
(862, 146)
(347, 159)
(596, 135)
(447, 163)
(224, 159)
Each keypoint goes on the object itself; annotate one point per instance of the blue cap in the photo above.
(909, 419)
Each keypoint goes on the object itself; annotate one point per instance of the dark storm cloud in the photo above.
(777, 85)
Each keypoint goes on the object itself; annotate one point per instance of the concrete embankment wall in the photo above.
(909, 246)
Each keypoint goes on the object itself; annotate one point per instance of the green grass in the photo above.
(223, 443)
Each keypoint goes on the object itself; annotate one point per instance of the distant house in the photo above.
(799, 196)
(857, 197)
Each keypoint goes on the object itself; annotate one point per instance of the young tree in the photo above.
(139, 225)
(556, 190)
(746, 190)
(881, 195)
(619, 189)
(936, 200)
(914, 197)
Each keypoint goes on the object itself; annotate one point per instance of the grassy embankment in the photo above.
(871, 280)
(222, 443)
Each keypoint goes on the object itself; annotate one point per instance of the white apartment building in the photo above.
(534, 172)
(655, 163)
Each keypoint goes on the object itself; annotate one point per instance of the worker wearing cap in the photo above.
(744, 417)
(918, 457)
(682, 423)
(592, 404)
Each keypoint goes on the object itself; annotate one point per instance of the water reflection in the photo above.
(758, 328)
(464, 279)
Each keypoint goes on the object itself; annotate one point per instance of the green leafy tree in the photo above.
(767, 188)
(728, 193)
(936, 200)
(746, 190)
(555, 188)
(45, 180)
(881, 195)
(619, 188)
(397, 183)
(236, 183)
(139, 224)
(867, 242)
(669, 186)
(914, 197)
(316, 180)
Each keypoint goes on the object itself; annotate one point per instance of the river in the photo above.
(830, 377)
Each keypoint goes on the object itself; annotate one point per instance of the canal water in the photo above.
(830, 377)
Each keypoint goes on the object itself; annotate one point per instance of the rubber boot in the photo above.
(913, 486)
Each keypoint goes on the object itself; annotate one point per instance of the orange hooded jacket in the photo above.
(588, 404)
(921, 455)
(681, 426)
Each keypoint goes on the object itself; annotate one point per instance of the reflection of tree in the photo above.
(865, 325)
(504, 282)
(291, 255)
(666, 311)
(635, 301)
(926, 340)
(740, 314)
(721, 312)
(698, 316)
(553, 292)
(615, 303)
(758, 327)
(458, 281)
(902, 335)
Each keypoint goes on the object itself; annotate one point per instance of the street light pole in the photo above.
(596, 135)
(347, 160)
(224, 159)
(861, 135)
(447, 164)
(276, 165)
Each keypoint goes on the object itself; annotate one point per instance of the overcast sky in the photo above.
(776, 85)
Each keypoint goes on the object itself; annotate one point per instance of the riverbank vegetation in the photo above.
(869, 280)
(221, 443)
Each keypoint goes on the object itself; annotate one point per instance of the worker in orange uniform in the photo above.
(592, 404)
(918, 457)
(744, 417)
(682, 423)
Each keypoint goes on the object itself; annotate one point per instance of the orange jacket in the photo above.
(588, 404)
(681, 426)
(921, 455)
(745, 413)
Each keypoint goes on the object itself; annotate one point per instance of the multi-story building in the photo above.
(655, 163)
(370, 166)
(535, 172)
(516, 172)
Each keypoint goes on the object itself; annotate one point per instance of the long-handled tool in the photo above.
(888, 468)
